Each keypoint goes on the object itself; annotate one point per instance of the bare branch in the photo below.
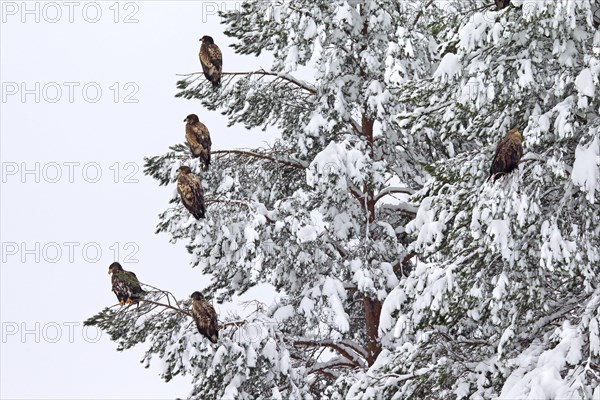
(179, 310)
(291, 163)
(286, 77)
(165, 292)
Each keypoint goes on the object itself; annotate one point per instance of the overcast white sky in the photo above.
(55, 219)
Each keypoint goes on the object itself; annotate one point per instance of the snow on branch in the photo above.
(325, 367)
(350, 352)
(392, 190)
(403, 208)
(543, 322)
(405, 377)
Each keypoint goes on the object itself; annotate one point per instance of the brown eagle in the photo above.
(189, 187)
(205, 317)
(500, 4)
(198, 139)
(211, 60)
(508, 153)
(125, 284)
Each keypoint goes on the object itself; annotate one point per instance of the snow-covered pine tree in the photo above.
(504, 301)
(500, 296)
(320, 214)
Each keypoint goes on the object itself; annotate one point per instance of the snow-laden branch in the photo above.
(405, 377)
(420, 13)
(354, 346)
(420, 111)
(403, 208)
(225, 200)
(530, 156)
(393, 189)
(542, 322)
(342, 347)
(356, 192)
(327, 365)
(340, 249)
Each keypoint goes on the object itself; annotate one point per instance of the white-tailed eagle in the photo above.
(508, 153)
(125, 284)
(205, 317)
(189, 187)
(211, 60)
(198, 139)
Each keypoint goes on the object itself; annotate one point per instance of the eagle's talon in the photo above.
(129, 301)
(121, 302)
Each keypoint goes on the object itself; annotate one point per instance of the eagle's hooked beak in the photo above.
(109, 271)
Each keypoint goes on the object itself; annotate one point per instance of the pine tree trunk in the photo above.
(372, 312)
(372, 307)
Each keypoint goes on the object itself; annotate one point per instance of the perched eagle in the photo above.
(189, 187)
(205, 317)
(125, 284)
(198, 139)
(508, 153)
(211, 60)
(500, 4)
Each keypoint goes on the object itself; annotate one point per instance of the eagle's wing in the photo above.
(203, 135)
(206, 319)
(212, 62)
(514, 152)
(499, 161)
(518, 149)
(133, 284)
(198, 193)
(216, 57)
